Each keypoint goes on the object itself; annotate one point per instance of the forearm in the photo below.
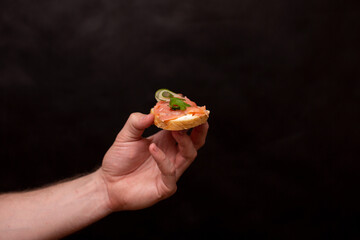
(55, 211)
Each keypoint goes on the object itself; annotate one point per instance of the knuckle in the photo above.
(173, 190)
(168, 192)
(172, 171)
(191, 155)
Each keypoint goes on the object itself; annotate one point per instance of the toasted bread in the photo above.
(181, 123)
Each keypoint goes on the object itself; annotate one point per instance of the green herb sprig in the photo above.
(178, 103)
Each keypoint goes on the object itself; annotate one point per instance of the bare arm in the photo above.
(55, 211)
(136, 173)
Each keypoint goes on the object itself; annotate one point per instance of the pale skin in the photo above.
(136, 173)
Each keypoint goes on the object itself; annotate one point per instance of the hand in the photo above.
(139, 172)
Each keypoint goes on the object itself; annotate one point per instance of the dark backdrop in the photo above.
(281, 159)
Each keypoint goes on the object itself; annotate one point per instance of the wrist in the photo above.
(104, 192)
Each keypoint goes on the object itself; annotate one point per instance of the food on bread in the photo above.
(173, 111)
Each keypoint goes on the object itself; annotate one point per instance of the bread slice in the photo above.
(184, 122)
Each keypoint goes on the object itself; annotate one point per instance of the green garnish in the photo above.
(178, 104)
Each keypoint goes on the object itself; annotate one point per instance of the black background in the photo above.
(280, 78)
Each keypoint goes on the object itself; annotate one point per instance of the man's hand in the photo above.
(136, 173)
(139, 172)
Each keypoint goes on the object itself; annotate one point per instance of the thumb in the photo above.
(135, 126)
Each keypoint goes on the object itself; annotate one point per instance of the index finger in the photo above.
(198, 135)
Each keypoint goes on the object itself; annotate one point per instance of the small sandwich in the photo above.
(174, 111)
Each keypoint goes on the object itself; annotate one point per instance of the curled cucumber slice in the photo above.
(165, 95)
